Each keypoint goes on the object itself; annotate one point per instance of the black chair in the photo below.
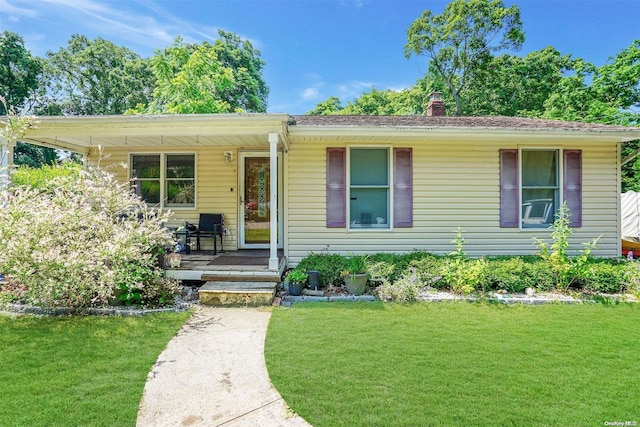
(210, 225)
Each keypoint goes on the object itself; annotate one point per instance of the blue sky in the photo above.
(313, 49)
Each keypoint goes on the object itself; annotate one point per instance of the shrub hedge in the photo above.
(396, 276)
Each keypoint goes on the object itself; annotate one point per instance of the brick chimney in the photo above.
(435, 107)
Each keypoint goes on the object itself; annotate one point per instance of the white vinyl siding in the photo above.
(454, 184)
(216, 190)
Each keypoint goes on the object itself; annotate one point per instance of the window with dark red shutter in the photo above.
(572, 186)
(336, 187)
(369, 201)
(509, 190)
(540, 187)
(403, 187)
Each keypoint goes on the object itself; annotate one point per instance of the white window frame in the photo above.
(373, 227)
(559, 185)
(163, 177)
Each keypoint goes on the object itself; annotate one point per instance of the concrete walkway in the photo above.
(213, 373)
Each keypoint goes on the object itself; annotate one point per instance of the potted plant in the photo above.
(356, 276)
(295, 281)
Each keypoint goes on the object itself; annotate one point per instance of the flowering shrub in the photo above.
(405, 289)
(73, 241)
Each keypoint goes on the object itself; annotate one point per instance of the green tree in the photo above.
(511, 85)
(381, 103)
(19, 72)
(204, 78)
(19, 82)
(249, 91)
(33, 156)
(94, 77)
(460, 42)
(332, 105)
(608, 94)
(412, 100)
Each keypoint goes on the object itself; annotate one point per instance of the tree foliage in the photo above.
(19, 72)
(249, 91)
(461, 41)
(331, 105)
(383, 102)
(608, 94)
(204, 78)
(94, 77)
(511, 85)
(33, 156)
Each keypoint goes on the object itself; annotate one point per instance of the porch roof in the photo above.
(83, 133)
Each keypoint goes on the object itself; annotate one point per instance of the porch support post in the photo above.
(6, 162)
(273, 201)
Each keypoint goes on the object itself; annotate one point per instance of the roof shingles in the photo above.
(487, 122)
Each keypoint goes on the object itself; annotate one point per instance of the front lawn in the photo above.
(78, 371)
(365, 364)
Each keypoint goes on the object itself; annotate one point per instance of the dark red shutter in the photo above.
(336, 187)
(509, 191)
(573, 185)
(402, 187)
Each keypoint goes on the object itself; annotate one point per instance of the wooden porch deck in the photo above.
(231, 278)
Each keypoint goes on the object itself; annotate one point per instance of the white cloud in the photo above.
(353, 89)
(14, 12)
(398, 88)
(310, 93)
(346, 91)
(118, 22)
(144, 24)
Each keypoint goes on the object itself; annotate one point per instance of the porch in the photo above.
(239, 277)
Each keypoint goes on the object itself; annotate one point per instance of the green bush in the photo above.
(381, 272)
(40, 177)
(73, 240)
(602, 277)
(463, 275)
(329, 266)
(515, 274)
(405, 289)
(402, 261)
(567, 271)
(508, 274)
(400, 277)
(429, 270)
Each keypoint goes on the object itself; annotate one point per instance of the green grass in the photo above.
(373, 364)
(78, 371)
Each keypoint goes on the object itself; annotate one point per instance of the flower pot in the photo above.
(314, 279)
(356, 283)
(295, 288)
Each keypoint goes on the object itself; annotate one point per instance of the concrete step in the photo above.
(241, 276)
(217, 293)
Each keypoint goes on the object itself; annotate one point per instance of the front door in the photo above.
(255, 194)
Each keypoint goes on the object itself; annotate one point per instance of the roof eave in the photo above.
(468, 133)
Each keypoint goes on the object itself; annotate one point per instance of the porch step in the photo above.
(237, 293)
(241, 276)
